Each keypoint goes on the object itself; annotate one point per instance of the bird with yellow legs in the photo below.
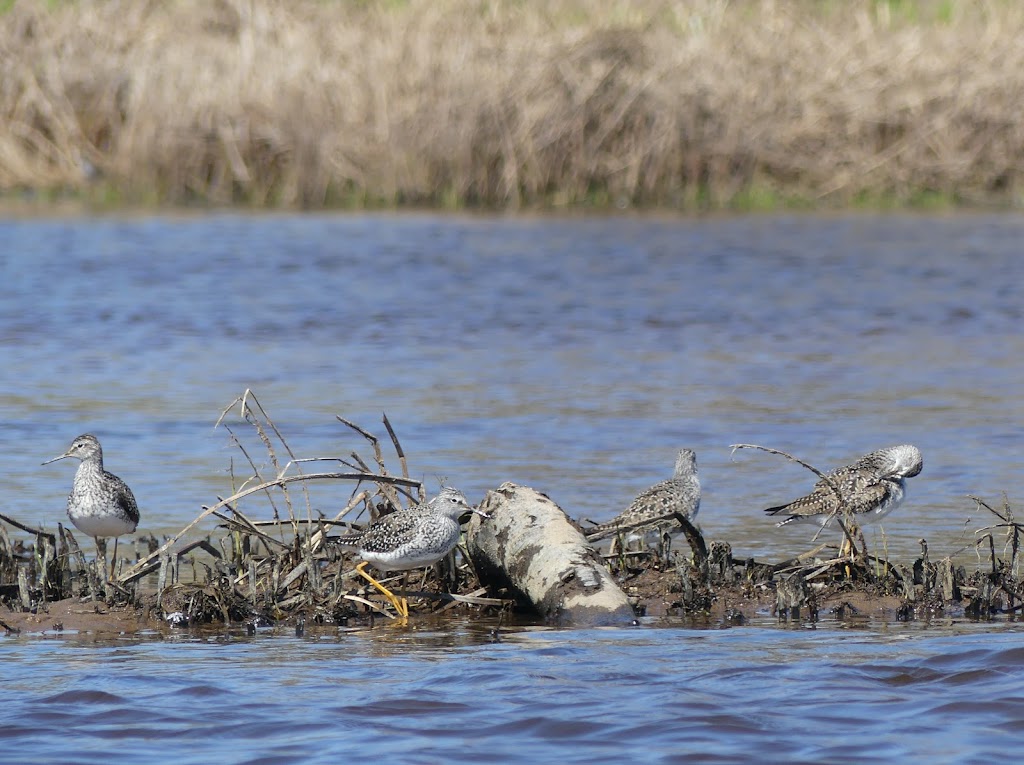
(409, 538)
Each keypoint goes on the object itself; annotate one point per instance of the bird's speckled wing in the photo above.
(862, 491)
(660, 501)
(380, 536)
(124, 498)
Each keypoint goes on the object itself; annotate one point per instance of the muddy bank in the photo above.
(527, 559)
(718, 590)
(655, 596)
(76, 615)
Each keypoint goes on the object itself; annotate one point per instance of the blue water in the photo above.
(572, 355)
(575, 356)
(642, 695)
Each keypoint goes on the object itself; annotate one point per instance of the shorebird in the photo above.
(868, 490)
(100, 504)
(411, 537)
(657, 506)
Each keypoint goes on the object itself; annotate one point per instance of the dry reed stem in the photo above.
(316, 540)
(74, 550)
(23, 527)
(252, 464)
(358, 463)
(137, 570)
(991, 550)
(378, 457)
(506, 104)
(400, 453)
(251, 413)
(287, 578)
(242, 524)
(389, 493)
(312, 545)
(1014, 529)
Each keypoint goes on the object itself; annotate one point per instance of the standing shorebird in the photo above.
(100, 504)
(656, 507)
(868, 490)
(411, 537)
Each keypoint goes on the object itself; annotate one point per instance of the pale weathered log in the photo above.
(529, 546)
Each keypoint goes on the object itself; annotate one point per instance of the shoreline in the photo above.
(81, 208)
(516, 564)
(733, 608)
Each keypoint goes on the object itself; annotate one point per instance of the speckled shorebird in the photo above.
(100, 504)
(411, 537)
(656, 507)
(869, 489)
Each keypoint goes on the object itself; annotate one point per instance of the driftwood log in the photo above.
(529, 546)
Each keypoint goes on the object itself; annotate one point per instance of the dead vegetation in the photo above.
(253, 571)
(287, 567)
(271, 559)
(692, 105)
(711, 580)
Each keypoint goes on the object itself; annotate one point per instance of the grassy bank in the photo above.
(704, 104)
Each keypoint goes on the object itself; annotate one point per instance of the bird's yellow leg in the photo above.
(101, 559)
(113, 561)
(401, 604)
(847, 548)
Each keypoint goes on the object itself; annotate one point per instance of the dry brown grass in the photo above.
(704, 103)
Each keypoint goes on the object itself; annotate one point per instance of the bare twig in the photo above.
(1006, 519)
(798, 561)
(359, 463)
(840, 502)
(29, 529)
(398, 448)
(991, 550)
(1013, 528)
(250, 416)
(317, 539)
(813, 469)
(10, 630)
(134, 572)
(255, 470)
(241, 523)
(389, 493)
(378, 455)
(252, 410)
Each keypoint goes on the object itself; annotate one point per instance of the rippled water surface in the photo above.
(575, 356)
(639, 695)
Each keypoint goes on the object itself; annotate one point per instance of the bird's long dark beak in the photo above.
(65, 454)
